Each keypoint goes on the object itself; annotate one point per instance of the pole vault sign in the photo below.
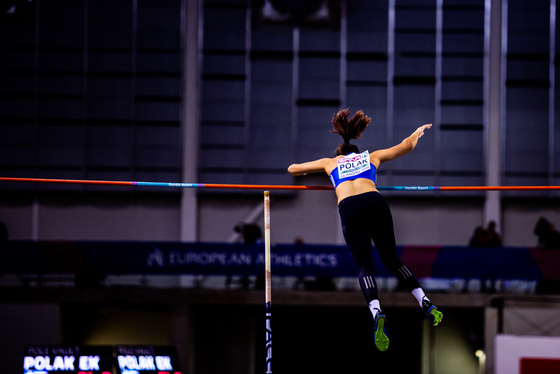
(41, 359)
(68, 359)
(146, 360)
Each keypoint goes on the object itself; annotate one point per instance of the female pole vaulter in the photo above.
(365, 215)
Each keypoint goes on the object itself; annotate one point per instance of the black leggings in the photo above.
(364, 218)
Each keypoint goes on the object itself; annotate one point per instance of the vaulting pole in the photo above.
(268, 282)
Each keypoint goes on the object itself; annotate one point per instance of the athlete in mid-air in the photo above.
(365, 215)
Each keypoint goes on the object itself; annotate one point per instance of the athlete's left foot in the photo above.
(432, 312)
(381, 338)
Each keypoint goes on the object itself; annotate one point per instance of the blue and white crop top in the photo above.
(353, 166)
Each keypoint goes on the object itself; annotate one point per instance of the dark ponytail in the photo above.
(349, 130)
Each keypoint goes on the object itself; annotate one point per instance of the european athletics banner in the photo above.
(171, 258)
(72, 257)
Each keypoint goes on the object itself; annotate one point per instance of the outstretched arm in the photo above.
(407, 145)
(308, 167)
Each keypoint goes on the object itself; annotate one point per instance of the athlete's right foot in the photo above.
(432, 312)
(381, 338)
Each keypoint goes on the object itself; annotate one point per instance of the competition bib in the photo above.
(353, 164)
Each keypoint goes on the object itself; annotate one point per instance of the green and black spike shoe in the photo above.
(381, 338)
(432, 312)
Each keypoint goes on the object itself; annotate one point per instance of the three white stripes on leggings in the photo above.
(405, 272)
(368, 281)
